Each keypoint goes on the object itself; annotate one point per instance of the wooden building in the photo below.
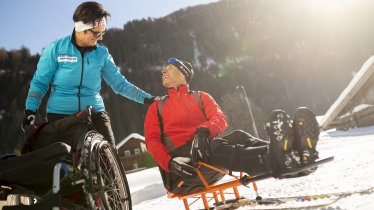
(130, 151)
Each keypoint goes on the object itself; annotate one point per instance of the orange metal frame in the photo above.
(216, 190)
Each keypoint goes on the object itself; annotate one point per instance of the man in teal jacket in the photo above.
(73, 67)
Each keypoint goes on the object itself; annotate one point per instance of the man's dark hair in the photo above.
(89, 12)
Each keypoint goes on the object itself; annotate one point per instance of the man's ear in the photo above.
(183, 80)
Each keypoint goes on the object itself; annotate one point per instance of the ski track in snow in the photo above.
(352, 170)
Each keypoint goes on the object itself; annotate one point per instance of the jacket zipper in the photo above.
(80, 85)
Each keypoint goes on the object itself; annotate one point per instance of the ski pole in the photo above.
(240, 87)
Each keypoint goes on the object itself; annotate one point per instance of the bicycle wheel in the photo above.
(106, 184)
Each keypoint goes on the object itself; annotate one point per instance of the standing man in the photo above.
(182, 128)
(73, 67)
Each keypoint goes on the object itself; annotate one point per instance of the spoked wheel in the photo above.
(105, 185)
(111, 178)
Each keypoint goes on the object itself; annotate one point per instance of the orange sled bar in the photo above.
(217, 190)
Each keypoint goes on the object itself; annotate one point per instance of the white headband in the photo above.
(80, 26)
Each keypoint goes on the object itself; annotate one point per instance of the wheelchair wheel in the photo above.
(106, 184)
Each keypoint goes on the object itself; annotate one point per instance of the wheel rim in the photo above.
(106, 184)
(110, 178)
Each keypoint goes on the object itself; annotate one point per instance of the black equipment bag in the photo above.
(67, 130)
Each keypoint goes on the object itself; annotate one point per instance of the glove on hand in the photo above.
(29, 118)
(85, 117)
(200, 149)
(149, 101)
(179, 166)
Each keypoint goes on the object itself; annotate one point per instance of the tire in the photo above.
(106, 185)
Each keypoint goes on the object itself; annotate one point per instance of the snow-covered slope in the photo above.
(352, 170)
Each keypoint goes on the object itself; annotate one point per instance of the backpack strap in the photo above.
(164, 137)
(197, 96)
(161, 104)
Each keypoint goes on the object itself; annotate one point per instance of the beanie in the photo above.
(183, 66)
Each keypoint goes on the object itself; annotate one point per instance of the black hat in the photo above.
(183, 66)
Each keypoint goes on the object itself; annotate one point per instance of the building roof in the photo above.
(131, 136)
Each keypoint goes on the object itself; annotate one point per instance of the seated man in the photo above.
(181, 129)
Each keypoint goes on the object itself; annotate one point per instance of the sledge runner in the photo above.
(181, 129)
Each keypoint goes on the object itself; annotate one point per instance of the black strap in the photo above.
(166, 178)
(164, 137)
(161, 104)
(197, 96)
(237, 150)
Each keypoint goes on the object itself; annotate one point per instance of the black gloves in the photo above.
(179, 166)
(149, 101)
(29, 118)
(200, 149)
(85, 116)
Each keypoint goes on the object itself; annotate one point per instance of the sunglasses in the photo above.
(173, 60)
(97, 34)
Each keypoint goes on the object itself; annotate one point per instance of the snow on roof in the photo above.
(361, 107)
(133, 135)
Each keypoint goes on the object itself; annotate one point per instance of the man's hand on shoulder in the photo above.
(149, 101)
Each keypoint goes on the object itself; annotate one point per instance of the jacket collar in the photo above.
(181, 90)
(82, 50)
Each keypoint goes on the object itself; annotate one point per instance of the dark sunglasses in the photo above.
(97, 34)
(173, 60)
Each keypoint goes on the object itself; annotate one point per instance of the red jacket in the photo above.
(181, 116)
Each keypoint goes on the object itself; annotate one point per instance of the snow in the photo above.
(361, 107)
(131, 136)
(344, 115)
(319, 119)
(210, 61)
(352, 170)
(196, 51)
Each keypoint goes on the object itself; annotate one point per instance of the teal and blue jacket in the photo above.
(75, 79)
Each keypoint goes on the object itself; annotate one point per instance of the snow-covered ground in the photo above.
(352, 170)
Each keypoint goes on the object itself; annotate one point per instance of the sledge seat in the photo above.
(215, 191)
